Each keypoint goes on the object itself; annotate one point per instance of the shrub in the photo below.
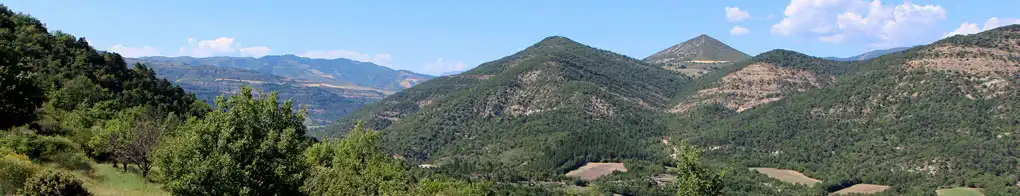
(45, 147)
(15, 169)
(53, 183)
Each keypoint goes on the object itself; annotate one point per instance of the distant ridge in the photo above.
(869, 55)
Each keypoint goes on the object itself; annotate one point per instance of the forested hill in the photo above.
(935, 116)
(67, 74)
(545, 109)
(339, 72)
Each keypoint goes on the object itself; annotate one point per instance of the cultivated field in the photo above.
(787, 175)
(861, 189)
(592, 171)
(960, 192)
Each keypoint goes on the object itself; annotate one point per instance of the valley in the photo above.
(553, 116)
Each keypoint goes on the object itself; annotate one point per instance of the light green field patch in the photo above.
(106, 180)
(960, 192)
(785, 175)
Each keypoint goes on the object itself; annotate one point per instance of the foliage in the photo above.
(250, 145)
(354, 166)
(693, 178)
(15, 170)
(51, 182)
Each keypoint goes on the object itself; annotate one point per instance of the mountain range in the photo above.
(921, 119)
(869, 55)
(340, 72)
(330, 88)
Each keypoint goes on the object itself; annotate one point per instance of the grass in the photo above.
(861, 189)
(106, 180)
(789, 176)
(960, 192)
(592, 170)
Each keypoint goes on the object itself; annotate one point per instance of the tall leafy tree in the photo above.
(19, 97)
(250, 145)
(694, 178)
(354, 165)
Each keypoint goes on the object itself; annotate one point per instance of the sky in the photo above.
(439, 36)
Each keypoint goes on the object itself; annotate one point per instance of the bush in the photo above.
(53, 183)
(46, 147)
(15, 169)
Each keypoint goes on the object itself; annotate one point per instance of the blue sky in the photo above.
(438, 36)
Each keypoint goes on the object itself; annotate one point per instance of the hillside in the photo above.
(697, 56)
(338, 72)
(544, 110)
(325, 102)
(931, 117)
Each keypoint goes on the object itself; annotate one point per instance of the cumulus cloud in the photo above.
(971, 28)
(256, 51)
(379, 59)
(134, 52)
(737, 30)
(734, 14)
(838, 21)
(441, 66)
(206, 48)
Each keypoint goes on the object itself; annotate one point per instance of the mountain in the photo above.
(551, 107)
(926, 118)
(930, 117)
(325, 102)
(338, 72)
(697, 56)
(869, 55)
(701, 48)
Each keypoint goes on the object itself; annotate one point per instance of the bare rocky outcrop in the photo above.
(756, 84)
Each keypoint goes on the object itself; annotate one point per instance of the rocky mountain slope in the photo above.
(325, 102)
(934, 116)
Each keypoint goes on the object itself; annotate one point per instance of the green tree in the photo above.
(694, 178)
(250, 145)
(19, 97)
(354, 165)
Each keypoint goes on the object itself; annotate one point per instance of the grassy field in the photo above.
(861, 189)
(106, 180)
(592, 171)
(787, 175)
(960, 192)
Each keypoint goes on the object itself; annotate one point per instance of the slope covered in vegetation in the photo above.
(547, 109)
(936, 116)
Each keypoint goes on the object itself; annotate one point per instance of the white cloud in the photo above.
(441, 66)
(734, 14)
(206, 48)
(257, 51)
(839, 21)
(971, 28)
(134, 52)
(737, 30)
(379, 59)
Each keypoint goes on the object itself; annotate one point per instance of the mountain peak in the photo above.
(702, 47)
(556, 41)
